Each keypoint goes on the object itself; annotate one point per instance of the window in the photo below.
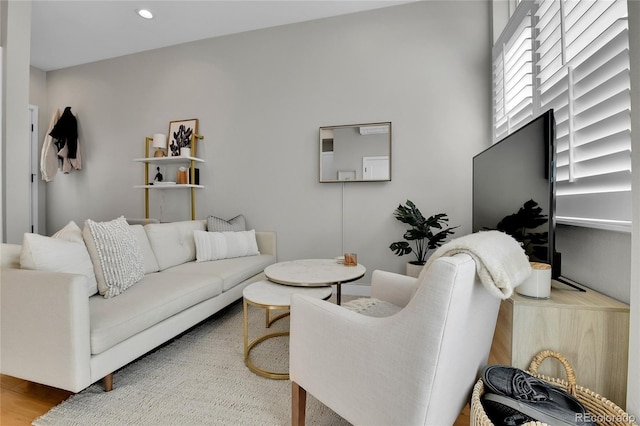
(580, 69)
(513, 76)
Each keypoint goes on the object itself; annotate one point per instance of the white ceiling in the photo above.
(73, 32)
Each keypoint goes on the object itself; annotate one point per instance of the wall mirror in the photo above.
(355, 152)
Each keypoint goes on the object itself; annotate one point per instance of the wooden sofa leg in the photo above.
(108, 382)
(298, 404)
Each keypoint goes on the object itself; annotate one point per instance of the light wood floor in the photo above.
(23, 401)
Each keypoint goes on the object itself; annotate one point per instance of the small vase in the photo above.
(414, 270)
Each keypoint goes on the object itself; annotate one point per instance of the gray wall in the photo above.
(16, 39)
(599, 259)
(260, 98)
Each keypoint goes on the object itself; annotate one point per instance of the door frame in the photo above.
(34, 162)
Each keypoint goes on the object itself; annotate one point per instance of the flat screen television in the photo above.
(514, 189)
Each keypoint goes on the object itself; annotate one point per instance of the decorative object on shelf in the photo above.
(421, 232)
(183, 177)
(538, 285)
(158, 177)
(183, 134)
(350, 259)
(160, 144)
(185, 152)
(195, 174)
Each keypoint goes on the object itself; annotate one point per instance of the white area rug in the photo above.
(198, 379)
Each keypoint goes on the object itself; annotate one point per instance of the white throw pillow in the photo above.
(70, 232)
(115, 253)
(224, 245)
(62, 252)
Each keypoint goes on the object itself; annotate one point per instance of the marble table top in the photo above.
(271, 294)
(313, 272)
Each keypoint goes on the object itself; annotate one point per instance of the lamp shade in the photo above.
(159, 141)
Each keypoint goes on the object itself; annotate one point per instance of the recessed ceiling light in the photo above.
(145, 13)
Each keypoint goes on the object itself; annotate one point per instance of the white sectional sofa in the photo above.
(53, 333)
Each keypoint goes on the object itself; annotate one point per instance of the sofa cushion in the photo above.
(57, 255)
(115, 253)
(231, 271)
(372, 307)
(224, 245)
(215, 224)
(157, 297)
(173, 243)
(150, 262)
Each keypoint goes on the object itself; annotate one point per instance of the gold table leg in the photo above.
(248, 346)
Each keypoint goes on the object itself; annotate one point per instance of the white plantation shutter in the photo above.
(581, 71)
(513, 76)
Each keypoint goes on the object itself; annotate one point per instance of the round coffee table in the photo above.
(314, 273)
(271, 296)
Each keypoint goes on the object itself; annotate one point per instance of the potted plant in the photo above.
(425, 235)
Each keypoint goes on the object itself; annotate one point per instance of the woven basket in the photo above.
(603, 411)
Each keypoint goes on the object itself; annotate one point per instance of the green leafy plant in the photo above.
(425, 233)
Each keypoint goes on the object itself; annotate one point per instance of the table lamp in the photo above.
(160, 144)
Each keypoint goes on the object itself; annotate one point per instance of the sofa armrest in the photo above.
(45, 328)
(393, 288)
(266, 242)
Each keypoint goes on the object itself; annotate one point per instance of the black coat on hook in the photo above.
(65, 132)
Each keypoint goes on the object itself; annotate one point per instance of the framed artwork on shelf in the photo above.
(181, 135)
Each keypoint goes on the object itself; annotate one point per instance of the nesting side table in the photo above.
(314, 273)
(271, 296)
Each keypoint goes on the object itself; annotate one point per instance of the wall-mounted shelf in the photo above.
(176, 186)
(162, 161)
(168, 160)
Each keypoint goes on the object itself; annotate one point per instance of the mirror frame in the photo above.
(346, 126)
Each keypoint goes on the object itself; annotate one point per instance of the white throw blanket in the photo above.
(501, 263)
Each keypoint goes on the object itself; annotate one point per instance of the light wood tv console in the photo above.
(590, 329)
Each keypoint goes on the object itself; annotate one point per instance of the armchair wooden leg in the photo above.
(108, 382)
(298, 404)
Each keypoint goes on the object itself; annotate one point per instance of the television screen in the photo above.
(513, 189)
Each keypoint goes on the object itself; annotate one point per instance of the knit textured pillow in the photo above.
(115, 253)
(215, 224)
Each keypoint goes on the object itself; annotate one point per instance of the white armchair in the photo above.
(415, 367)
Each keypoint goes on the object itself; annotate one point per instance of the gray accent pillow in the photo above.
(215, 224)
(115, 254)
